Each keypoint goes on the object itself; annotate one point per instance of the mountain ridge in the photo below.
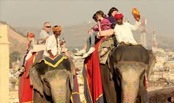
(76, 36)
(18, 41)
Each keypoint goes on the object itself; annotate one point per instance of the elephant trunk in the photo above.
(130, 79)
(59, 83)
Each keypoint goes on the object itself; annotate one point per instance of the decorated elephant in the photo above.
(128, 66)
(52, 80)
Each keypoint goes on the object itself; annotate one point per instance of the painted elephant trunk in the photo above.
(131, 74)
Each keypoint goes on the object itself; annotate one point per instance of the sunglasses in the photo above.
(48, 26)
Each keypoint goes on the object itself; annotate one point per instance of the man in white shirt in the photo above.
(53, 47)
(123, 30)
(52, 43)
(45, 32)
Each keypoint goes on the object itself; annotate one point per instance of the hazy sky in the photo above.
(32, 13)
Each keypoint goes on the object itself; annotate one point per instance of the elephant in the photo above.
(52, 80)
(128, 66)
(165, 95)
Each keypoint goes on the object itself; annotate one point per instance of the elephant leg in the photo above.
(108, 85)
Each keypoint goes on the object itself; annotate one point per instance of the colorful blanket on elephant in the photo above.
(92, 77)
(54, 62)
(25, 87)
(75, 96)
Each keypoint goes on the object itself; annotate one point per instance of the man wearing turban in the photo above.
(54, 49)
(123, 30)
(52, 43)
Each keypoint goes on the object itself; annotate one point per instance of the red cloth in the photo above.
(93, 75)
(25, 89)
(75, 91)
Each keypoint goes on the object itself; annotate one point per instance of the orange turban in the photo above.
(118, 16)
(57, 28)
(30, 35)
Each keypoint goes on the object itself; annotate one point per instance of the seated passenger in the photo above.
(52, 43)
(123, 30)
(28, 54)
(45, 32)
(102, 28)
(55, 47)
(25, 87)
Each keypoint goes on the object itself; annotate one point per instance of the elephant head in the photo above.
(52, 83)
(132, 77)
(130, 62)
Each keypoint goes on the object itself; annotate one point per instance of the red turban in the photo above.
(30, 35)
(118, 16)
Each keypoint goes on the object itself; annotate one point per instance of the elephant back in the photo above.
(130, 53)
(49, 64)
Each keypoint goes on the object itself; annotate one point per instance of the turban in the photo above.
(30, 35)
(57, 28)
(118, 16)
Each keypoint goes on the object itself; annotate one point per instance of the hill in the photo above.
(76, 36)
(17, 41)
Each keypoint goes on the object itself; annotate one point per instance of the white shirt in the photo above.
(53, 45)
(124, 32)
(43, 34)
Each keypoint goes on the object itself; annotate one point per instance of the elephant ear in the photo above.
(36, 80)
(152, 61)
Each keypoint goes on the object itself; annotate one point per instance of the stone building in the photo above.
(4, 64)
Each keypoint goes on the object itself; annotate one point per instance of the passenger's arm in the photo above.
(135, 26)
(48, 46)
(107, 32)
(117, 35)
(50, 53)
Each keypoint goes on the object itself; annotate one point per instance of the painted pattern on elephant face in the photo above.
(130, 74)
